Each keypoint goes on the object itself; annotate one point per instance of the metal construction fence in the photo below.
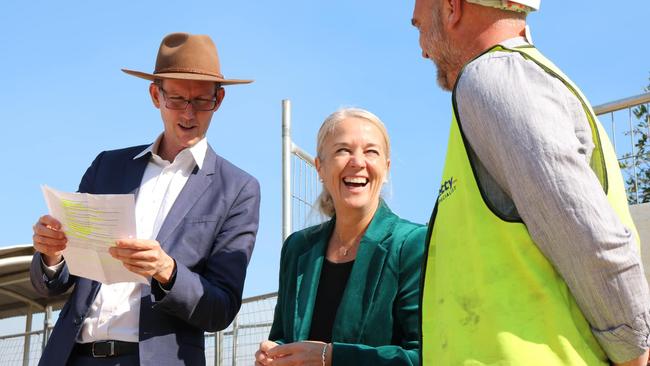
(12, 348)
(235, 345)
(626, 121)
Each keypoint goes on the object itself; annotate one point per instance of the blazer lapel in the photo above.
(310, 264)
(87, 290)
(367, 270)
(197, 183)
(133, 172)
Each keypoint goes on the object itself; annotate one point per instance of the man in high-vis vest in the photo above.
(533, 258)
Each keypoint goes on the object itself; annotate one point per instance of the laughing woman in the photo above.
(349, 288)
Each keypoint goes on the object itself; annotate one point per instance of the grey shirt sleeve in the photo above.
(532, 146)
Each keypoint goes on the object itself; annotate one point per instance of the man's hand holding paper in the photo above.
(49, 239)
(144, 257)
(82, 228)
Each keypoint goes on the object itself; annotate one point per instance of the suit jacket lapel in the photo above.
(133, 172)
(197, 183)
(310, 264)
(361, 287)
(87, 290)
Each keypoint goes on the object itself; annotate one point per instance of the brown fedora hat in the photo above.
(188, 57)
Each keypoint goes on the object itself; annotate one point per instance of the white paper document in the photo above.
(92, 223)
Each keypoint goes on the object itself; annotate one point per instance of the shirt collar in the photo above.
(516, 42)
(198, 150)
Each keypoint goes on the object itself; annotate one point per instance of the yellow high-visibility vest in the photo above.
(490, 297)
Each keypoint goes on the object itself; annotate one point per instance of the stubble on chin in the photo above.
(443, 58)
(443, 54)
(442, 78)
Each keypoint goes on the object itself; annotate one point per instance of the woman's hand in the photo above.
(307, 353)
(261, 356)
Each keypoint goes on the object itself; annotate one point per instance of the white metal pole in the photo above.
(218, 349)
(235, 334)
(47, 326)
(636, 176)
(28, 333)
(286, 169)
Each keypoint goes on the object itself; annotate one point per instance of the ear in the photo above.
(221, 92)
(453, 13)
(155, 94)
(318, 166)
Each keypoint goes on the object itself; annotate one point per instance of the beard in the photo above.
(439, 49)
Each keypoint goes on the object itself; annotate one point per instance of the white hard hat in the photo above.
(533, 4)
(514, 5)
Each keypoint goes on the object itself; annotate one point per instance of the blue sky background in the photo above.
(63, 98)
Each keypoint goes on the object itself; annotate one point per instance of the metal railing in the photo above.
(235, 345)
(13, 351)
(625, 140)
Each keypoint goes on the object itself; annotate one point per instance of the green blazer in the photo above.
(377, 322)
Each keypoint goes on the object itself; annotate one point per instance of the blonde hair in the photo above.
(324, 202)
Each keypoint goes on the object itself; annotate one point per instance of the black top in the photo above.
(333, 279)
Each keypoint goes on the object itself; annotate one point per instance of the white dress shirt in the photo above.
(115, 313)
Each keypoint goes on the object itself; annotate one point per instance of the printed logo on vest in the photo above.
(447, 188)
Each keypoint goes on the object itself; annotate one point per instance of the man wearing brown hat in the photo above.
(197, 217)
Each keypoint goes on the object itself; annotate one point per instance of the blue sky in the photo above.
(64, 99)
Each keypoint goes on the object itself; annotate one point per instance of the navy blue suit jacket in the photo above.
(210, 232)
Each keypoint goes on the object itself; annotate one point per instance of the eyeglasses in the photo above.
(180, 103)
